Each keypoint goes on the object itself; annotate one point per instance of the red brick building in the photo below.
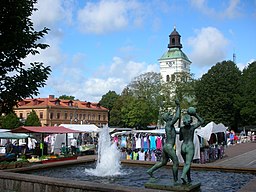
(53, 111)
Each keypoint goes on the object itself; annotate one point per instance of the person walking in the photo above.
(73, 146)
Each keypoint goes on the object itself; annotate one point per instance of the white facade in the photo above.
(174, 62)
(170, 67)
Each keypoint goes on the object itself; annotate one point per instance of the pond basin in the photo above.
(133, 175)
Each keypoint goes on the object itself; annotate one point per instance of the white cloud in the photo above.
(229, 10)
(97, 87)
(107, 16)
(114, 77)
(51, 56)
(49, 12)
(241, 66)
(202, 6)
(126, 69)
(208, 47)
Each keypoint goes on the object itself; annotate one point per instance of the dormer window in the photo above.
(22, 103)
(35, 102)
(70, 103)
(57, 102)
(88, 104)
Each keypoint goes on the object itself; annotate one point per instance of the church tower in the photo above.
(174, 64)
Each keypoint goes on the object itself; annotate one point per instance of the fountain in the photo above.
(136, 176)
(108, 170)
(108, 162)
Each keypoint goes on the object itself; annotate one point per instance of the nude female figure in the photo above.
(187, 146)
(168, 148)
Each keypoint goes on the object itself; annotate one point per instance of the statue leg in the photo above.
(175, 165)
(157, 165)
(187, 162)
(189, 176)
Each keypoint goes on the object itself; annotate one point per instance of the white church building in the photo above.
(174, 64)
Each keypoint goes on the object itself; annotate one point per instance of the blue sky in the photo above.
(101, 45)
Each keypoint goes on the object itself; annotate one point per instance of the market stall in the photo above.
(45, 130)
(154, 139)
(86, 138)
(212, 141)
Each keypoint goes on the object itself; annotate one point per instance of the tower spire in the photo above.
(174, 39)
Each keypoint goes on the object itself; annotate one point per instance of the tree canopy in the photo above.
(11, 121)
(182, 90)
(147, 89)
(108, 100)
(138, 105)
(65, 97)
(246, 97)
(18, 39)
(216, 92)
(32, 119)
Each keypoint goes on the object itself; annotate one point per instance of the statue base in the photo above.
(168, 185)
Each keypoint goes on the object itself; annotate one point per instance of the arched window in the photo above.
(173, 41)
(173, 77)
(167, 78)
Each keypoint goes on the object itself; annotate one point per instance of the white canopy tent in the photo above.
(205, 132)
(61, 138)
(83, 128)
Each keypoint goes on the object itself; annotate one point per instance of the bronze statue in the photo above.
(168, 149)
(187, 146)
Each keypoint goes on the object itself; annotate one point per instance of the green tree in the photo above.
(65, 97)
(108, 100)
(115, 117)
(216, 92)
(18, 39)
(147, 89)
(115, 113)
(246, 99)
(11, 121)
(32, 119)
(135, 113)
(183, 90)
(1, 120)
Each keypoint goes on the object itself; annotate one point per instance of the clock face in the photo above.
(170, 63)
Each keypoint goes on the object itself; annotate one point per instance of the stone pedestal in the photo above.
(168, 185)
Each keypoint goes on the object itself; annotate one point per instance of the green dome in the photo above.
(174, 53)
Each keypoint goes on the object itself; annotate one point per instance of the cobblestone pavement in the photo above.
(242, 155)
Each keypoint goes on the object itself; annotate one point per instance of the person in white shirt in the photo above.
(73, 146)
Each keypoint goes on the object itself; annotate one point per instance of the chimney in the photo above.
(51, 96)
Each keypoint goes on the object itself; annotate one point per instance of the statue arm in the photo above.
(177, 114)
(199, 123)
